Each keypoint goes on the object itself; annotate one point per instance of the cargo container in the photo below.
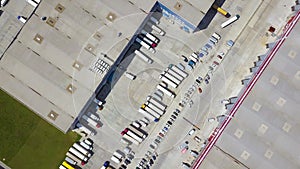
(93, 116)
(157, 103)
(166, 91)
(84, 129)
(175, 74)
(150, 36)
(171, 77)
(137, 131)
(149, 110)
(145, 45)
(86, 146)
(75, 158)
(155, 108)
(168, 81)
(179, 71)
(82, 150)
(70, 161)
(154, 20)
(230, 21)
(91, 121)
(156, 28)
(127, 137)
(143, 56)
(133, 135)
(78, 154)
(147, 40)
(148, 115)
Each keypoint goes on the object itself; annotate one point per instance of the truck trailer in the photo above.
(91, 121)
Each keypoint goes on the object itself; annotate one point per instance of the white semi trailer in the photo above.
(156, 102)
(148, 115)
(177, 75)
(143, 56)
(93, 116)
(151, 111)
(155, 108)
(171, 77)
(82, 150)
(166, 91)
(84, 129)
(168, 81)
(145, 45)
(78, 154)
(150, 36)
(127, 137)
(73, 157)
(179, 71)
(156, 28)
(91, 121)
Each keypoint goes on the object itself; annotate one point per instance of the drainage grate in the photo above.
(60, 8)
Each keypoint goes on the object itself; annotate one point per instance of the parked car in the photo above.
(191, 132)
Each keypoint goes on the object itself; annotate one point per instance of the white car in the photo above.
(191, 132)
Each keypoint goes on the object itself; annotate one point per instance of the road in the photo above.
(288, 28)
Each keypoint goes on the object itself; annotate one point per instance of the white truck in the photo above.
(93, 116)
(171, 77)
(148, 115)
(91, 121)
(151, 111)
(84, 129)
(82, 150)
(143, 56)
(73, 157)
(127, 137)
(150, 36)
(134, 136)
(156, 28)
(86, 146)
(155, 108)
(166, 91)
(168, 81)
(145, 45)
(78, 154)
(137, 131)
(156, 102)
(179, 71)
(177, 75)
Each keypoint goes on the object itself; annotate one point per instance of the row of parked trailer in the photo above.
(78, 154)
(87, 122)
(134, 133)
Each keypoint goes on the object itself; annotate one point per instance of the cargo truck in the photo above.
(93, 116)
(133, 135)
(175, 74)
(156, 102)
(230, 21)
(148, 115)
(156, 29)
(70, 161)
(137, 132)
(86, 146)
(78, 154)
(145, 45)
(147, 40)
(179, 71)
(151, 111)
(166, 91)
(84, 129)
(171, 77)
(91, 121)
(143, 56)
(168, 81)
(75, 158)
(154, 20)
(68, 166)
(155, 108)
(127, 137)
(82, 150)
(150, 36)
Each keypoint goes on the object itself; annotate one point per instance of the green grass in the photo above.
(27, 141)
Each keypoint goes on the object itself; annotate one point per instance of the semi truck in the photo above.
(78, 154)
(84, 129)
(151, 111)
(133, 135)
(175, 74)
(230, 21)
(93, 116)
(143, 56)
(154, 20)
(155, 108)
(171, 77)
(156, 102)
(136, 131)
(147, 40)
(156, 28)
(127, 137)
(91, 121)
(145, 45)
(75, 158)
(70, 161)
(115, 159)
(68, 166)
(166, 91)
(179, 71)
(168, 81)
(86, 146)
(82, 150)
(150, 36)
(148, 115)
